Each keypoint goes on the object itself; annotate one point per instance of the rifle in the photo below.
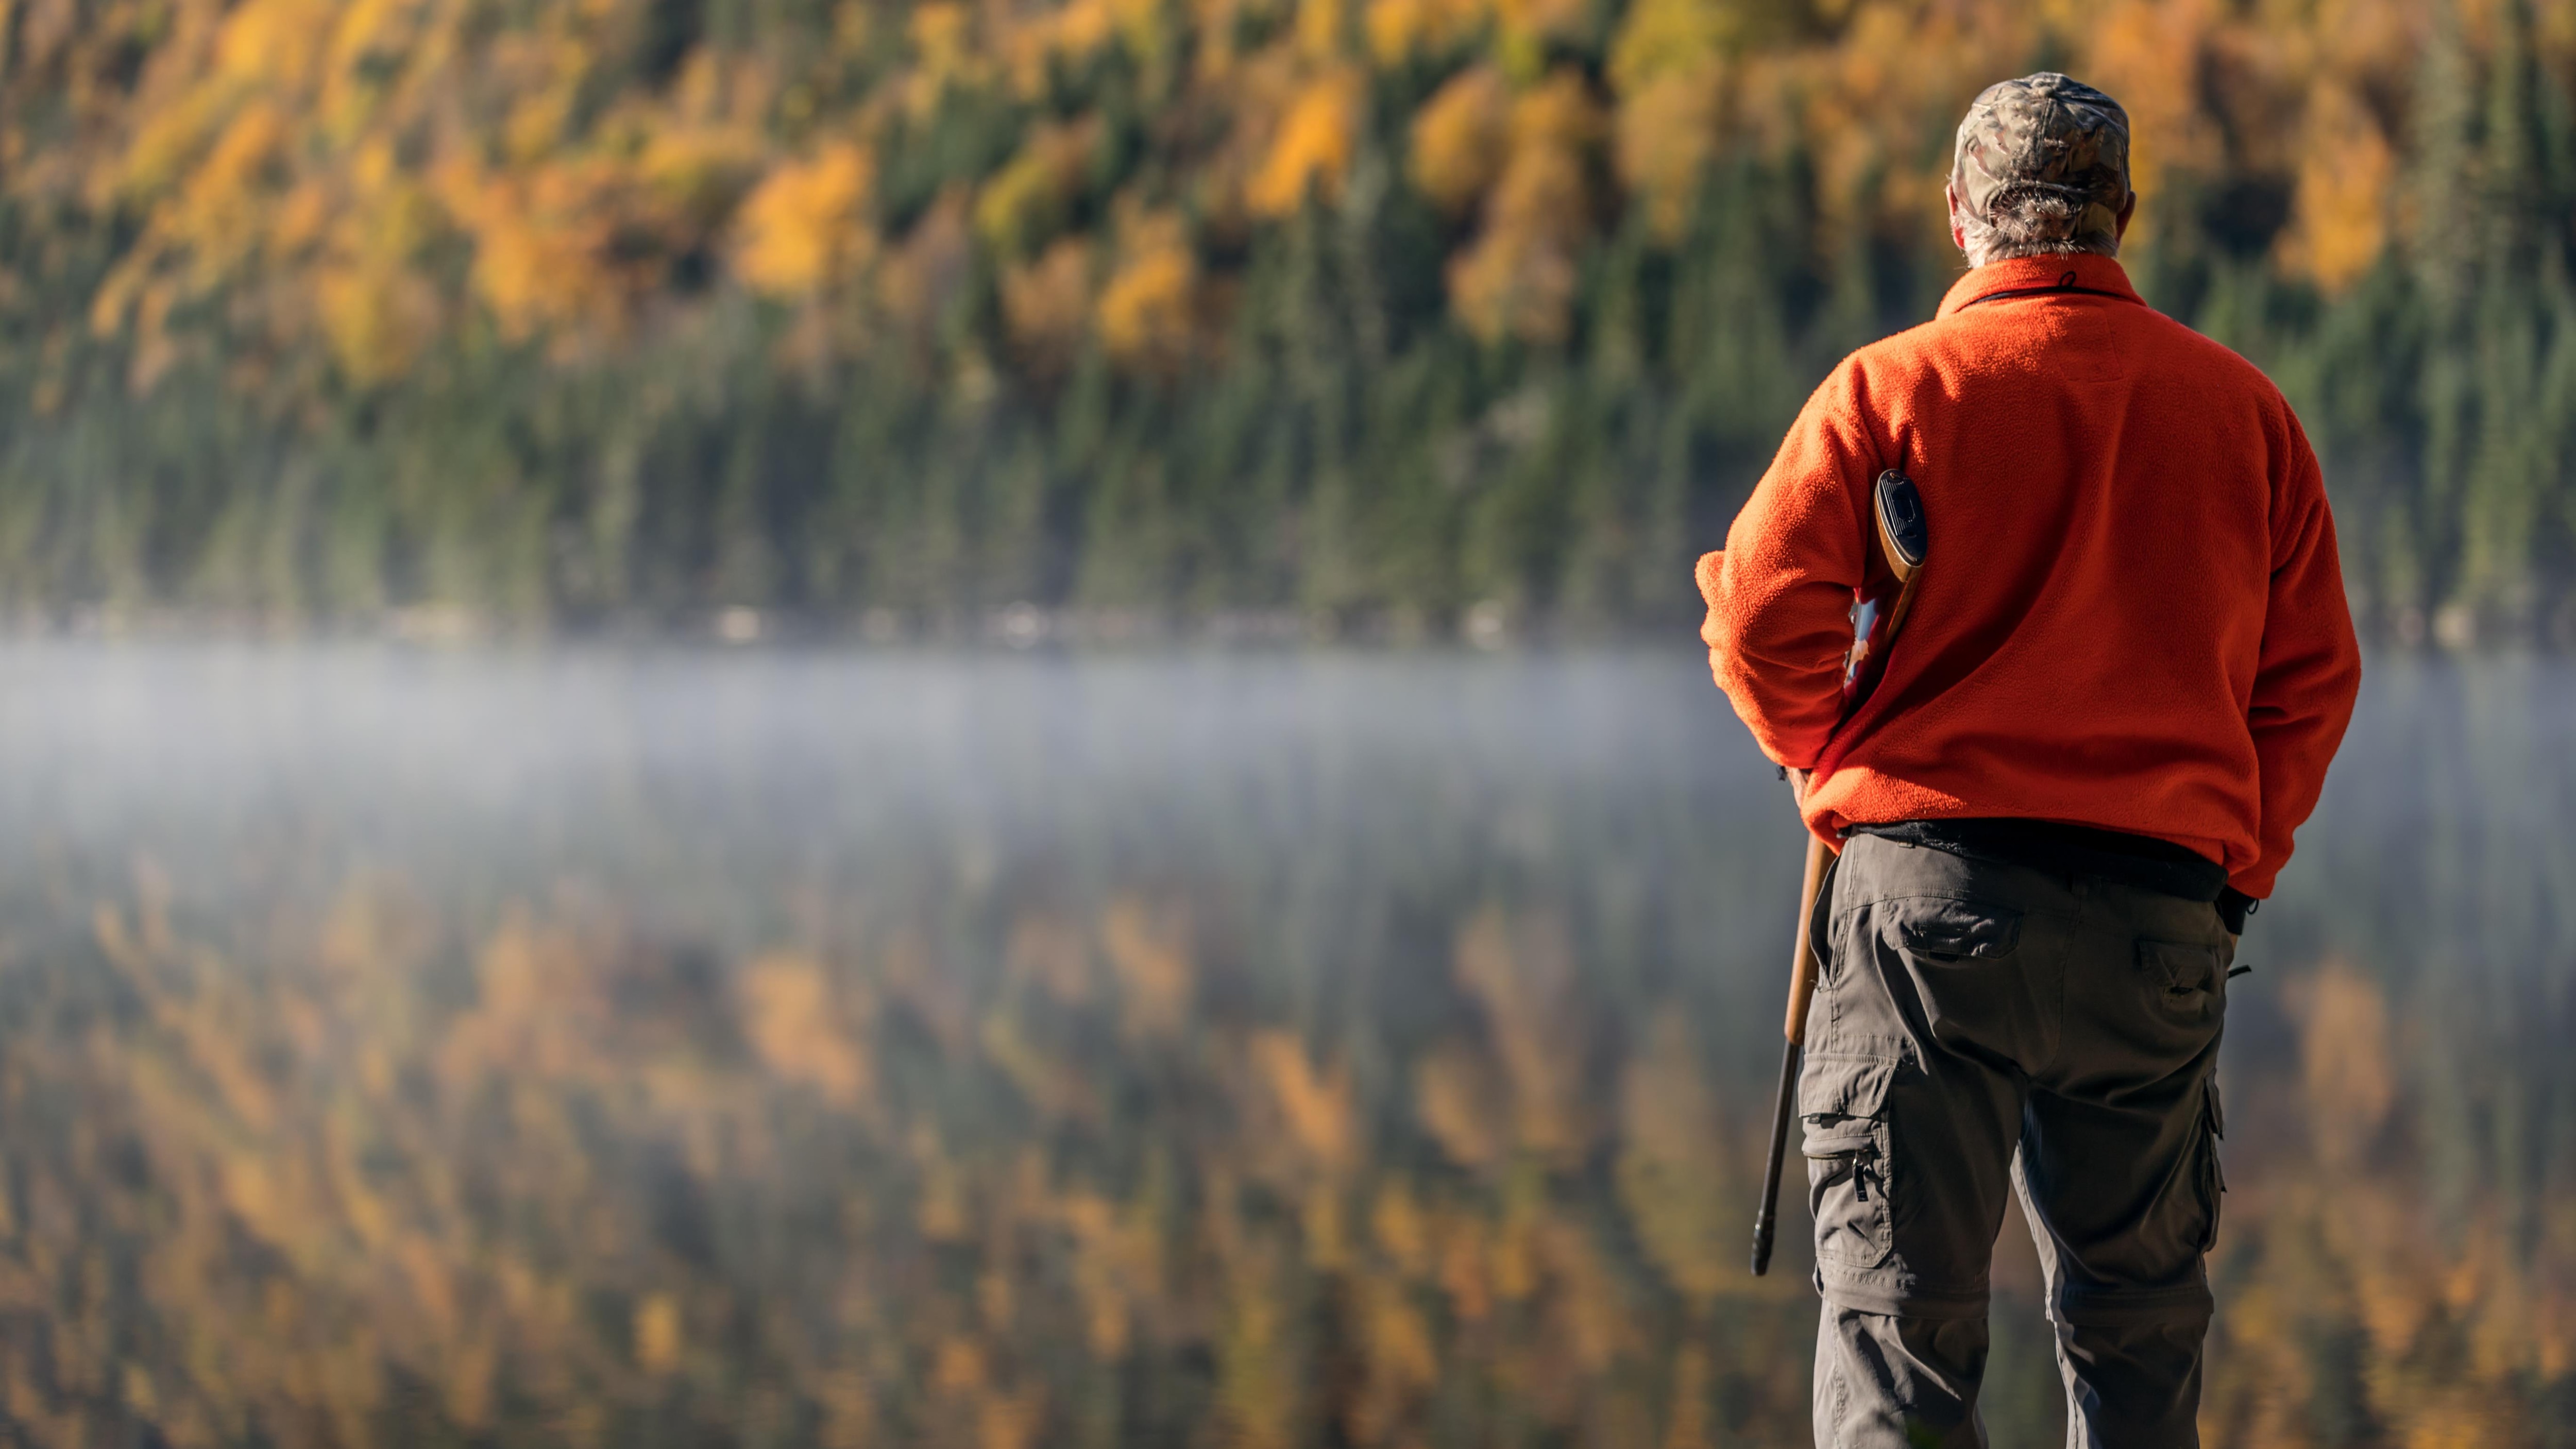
(1902, 541)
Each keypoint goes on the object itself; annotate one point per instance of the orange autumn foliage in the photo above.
(373, 180)
(1311, 154)
(1518, 279)
(801, 228)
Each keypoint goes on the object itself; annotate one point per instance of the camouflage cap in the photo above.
(2045, 133)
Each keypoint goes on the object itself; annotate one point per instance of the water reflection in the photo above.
(665, 1049)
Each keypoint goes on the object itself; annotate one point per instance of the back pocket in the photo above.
(1842, 1103)
(2183, 980)
(1951, 930)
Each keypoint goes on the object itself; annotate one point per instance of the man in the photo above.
(2127, 665)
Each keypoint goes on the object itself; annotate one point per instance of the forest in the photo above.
(1366, 318)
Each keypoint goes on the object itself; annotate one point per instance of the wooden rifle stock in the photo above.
(1902, 541)
(1802, 989)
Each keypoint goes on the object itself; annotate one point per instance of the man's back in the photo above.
(2126, 666)
(2137, 624)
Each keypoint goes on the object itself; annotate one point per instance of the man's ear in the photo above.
(2120, 223)
(1959, 229)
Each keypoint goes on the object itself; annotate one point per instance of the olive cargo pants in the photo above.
(1980, 1028)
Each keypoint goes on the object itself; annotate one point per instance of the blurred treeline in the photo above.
(1369, 312)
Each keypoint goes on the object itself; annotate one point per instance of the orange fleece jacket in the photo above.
(2130, 617)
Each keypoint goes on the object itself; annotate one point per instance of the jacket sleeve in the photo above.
(1779, 595)
(2310, 669)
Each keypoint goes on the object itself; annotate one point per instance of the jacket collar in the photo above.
(2081, 273)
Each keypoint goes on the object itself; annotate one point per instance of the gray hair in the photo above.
(2032, 222)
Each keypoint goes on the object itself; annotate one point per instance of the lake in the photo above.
(646, 1047)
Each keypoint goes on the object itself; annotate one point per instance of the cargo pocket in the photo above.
(1842, 1102)
(2213, 1177)
(2183, 980)
(1952, 931)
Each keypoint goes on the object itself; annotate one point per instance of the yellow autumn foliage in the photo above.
(1024, 203)
(1399, 1360)
(540, 262)
(921, 275)
(801, 228)
(1667, 138)
(1147, 313)
(1069, 35)
(1677, 1189)
(1398, 30)
(1458, 1102)
(2346, 1051)
(275, 42)
(1320, 26)
(378, 309)
(568, 175)
(943, 39)
(1311, 152)
(2347, 169)
(1460, 137)
(219, 214)
(378, 314)
(1148, 948)
(1524, 23)
(171, 139)
(2149, 54)
(1316, 1105)
(1661, 39)
(657, 1333)
(799, 1029)
(1518, 278)
(1520, 971)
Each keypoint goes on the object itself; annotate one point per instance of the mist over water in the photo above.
(766, 1047)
